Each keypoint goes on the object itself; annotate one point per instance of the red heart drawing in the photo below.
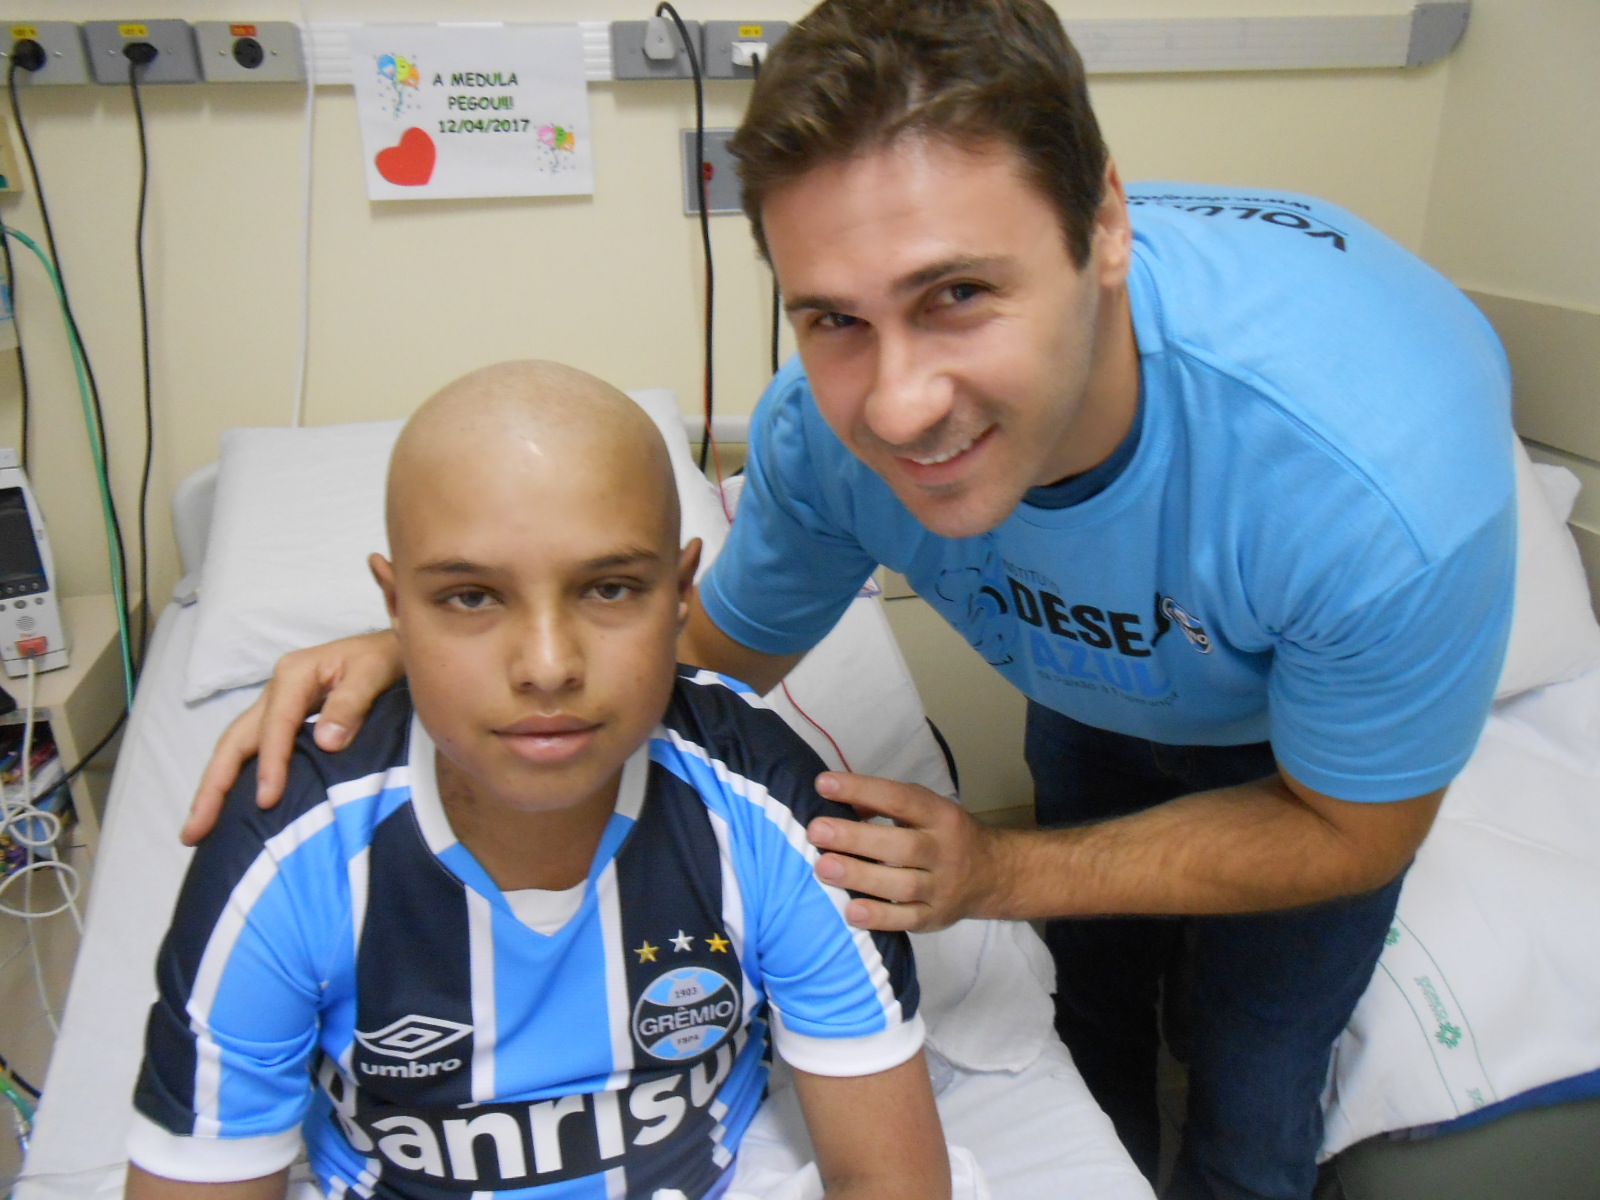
(410, 164)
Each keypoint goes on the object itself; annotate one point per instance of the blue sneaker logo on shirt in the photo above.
(1168, 613)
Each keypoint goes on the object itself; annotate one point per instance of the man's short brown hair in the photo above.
(857, 74)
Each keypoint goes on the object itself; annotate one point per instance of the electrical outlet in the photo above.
(64, 60)
(722, 187)
(628, 59)
(175, 62)
(728, 45)
(249, 51)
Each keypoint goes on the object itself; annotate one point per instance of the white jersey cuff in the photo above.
(209, 1160)
(848, 1056)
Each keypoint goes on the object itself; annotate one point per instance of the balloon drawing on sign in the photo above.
(558, 148)
(402, 77)
(410, 163)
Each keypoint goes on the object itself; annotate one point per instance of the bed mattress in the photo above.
(1034, 1130)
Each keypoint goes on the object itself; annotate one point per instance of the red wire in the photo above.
(817, 727)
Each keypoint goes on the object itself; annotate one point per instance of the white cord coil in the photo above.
(37, 832)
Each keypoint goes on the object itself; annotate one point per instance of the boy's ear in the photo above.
(383, 571)
(688, 564)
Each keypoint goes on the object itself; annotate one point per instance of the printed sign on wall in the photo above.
(449, 112)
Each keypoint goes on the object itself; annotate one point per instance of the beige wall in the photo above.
(406, 295)
(1513, 206)
(1513, 216)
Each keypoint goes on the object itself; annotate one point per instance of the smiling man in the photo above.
(1220, 479)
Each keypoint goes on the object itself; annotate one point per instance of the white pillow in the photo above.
(1554, 636)
(298, 511)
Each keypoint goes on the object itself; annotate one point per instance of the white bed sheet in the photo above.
(1488, 985)
(1034, 1130)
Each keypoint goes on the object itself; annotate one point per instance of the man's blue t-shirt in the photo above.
(342, 965)
(1313, 542)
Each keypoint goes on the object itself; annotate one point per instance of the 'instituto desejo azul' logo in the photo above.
(684, 1013)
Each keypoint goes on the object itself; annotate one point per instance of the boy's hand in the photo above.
(933, 867)
(343, 678)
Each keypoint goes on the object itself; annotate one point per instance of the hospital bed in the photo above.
(1471, 1066)
(274, 539)
(1485, 998)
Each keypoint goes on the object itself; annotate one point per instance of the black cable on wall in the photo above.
(705, 217)
(138, 58)
(103, 455)
(777, 298)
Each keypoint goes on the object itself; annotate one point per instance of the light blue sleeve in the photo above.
(789, 568)
(240, 979)
(844, 1000)
(265, 1018)
(1388, 701)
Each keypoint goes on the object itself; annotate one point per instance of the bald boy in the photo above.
(533, 931)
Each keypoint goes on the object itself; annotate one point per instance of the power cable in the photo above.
(777, 299)
(94, 751)
(99, 447)
(308, 153)
(141, 54)
(98, 454)
(16, 326)
(705, 217)
(11, 1072)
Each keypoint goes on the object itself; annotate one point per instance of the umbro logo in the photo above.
(413, 1037)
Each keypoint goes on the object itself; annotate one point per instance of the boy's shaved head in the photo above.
(537, 588)
(521, 416)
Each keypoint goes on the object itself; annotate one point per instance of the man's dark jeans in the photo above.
(1270, 991)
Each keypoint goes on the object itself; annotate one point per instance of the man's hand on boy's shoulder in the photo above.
(933, 867)
(341, 679)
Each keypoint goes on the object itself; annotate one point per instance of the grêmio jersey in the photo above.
(1312, 542)
(341, 965)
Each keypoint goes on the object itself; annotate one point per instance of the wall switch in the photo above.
(628, 58)
(720, 172)
(64, 59)
(729, 45)
(249, 51)
(175, 62)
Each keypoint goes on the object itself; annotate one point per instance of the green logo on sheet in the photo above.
(1448, 1035)
(1393, 936)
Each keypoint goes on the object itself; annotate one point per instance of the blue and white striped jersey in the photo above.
(341, 964)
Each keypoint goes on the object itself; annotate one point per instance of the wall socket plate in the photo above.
(176, 62)
(722, 196)
(250, 51)
(716, 56)
(627, 53)
(64, 62)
